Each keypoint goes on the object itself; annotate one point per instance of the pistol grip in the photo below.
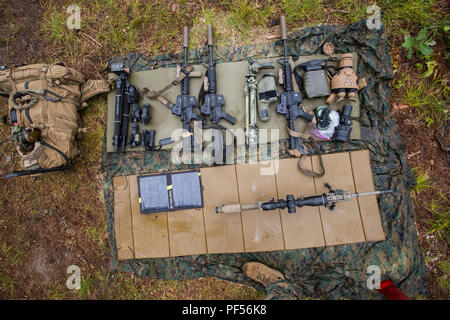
(205, 109)
(308, 117)
(229, 118)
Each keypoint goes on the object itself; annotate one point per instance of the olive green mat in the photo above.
(231, 83)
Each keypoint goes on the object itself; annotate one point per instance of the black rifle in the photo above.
(213, 102)
(290, 100)
(185, 103)
(121, 82)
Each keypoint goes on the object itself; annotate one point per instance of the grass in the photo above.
(422, 181)
(439, 223)
(6, 285)
(350, 10)
(306, 12)
(103, 284)
(11, 256)
(399, 15)
(444, 280)
(429, 97)
(98, 234)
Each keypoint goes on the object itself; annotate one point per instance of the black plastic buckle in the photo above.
(47, 95)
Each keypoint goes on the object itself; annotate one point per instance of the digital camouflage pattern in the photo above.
(334, 272)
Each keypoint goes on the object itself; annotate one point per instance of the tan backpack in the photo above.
(43, 106)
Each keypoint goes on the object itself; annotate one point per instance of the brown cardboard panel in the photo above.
(302, 229)
(368, 205)
(223, 231)
(123, 225)
(203, 231)
(186, 232)
(343, 225)
(151, 238)
(262, 229)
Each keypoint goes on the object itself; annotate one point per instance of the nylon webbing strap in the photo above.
(55, 149)
(11, 81)
(44, 87)
(155, 94)
(296, 153)
(161, 99)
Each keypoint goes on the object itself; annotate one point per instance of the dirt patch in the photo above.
(425, 153)
(20, 25)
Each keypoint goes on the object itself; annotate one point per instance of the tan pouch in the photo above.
(64, 74)
(11, 77)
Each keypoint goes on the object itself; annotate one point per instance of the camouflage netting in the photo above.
(333, 272)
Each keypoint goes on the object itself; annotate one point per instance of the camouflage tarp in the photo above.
(333, 272)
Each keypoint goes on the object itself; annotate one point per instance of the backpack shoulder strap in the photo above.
(94, 87)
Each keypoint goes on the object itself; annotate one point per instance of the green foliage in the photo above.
(420, 44)
(55, 27)
(126, 288)
(6, 286)
(439, 224)
(11, 255)
(428, 97)
(431, 69)
(422, 181)
(97, 235)
(86, 287)
(444, 281)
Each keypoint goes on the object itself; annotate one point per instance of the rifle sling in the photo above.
(296, 153)
(155, 94)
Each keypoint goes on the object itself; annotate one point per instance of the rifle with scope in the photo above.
(326, 200)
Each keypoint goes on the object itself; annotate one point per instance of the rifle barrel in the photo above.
(361, 194)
